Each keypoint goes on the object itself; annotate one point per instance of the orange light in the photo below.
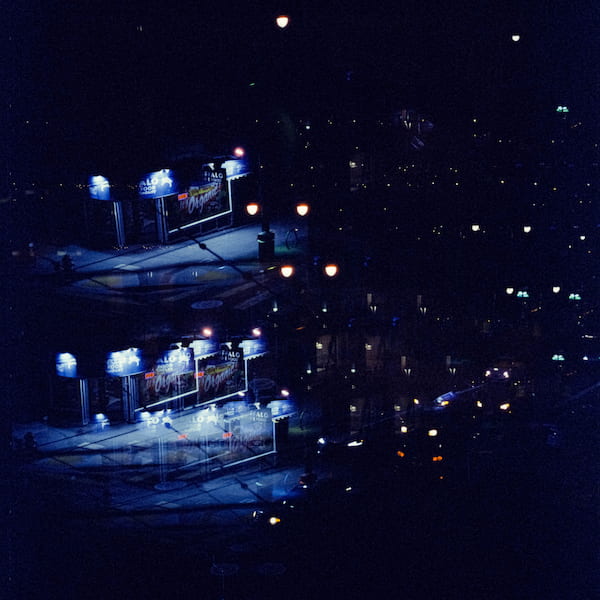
(252, 208)
(331, 270)
(286, 271)
(437, 458)
(302, 209)
(282, 21)
(400, 454)
(238, 152)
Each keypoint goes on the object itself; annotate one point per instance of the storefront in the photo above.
(192, 197)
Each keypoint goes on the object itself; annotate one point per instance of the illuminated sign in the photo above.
(253, 348)
(125, 362)
(204, 347)
(157, 184)
(221, 376)
(282, 408)
(206, 198)
(236, 168)
(176, 362)
(66, 365)
(99, 187)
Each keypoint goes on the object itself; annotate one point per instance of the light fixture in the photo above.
(252, 208)
(302, 209)
(286, 271)
(331, 269)
(282, 21)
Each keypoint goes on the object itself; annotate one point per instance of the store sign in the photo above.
(253, 348)
(177, 361)
(66, 365)
(204, 347)
(157, 184)
(125, 362)
(99, 187)
(172, 376)
(236, 168)
(282, 408)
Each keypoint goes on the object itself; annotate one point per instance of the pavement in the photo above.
(170, 272)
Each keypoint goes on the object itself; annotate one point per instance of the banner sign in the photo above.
(205, 199)
(99, 187)
(221, 376)
(253, 348)
(125, 362)
(158, 184)
(204, 347)
(176, 362)
(236, 168)
(282, 408)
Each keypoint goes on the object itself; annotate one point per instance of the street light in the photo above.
(286, 271)
(302, 209)
(331, 270)
(282, 21)
(252, 208)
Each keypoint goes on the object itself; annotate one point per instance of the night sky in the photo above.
(102, 83)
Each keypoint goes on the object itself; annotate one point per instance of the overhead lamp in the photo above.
(282, 21)
(252, 208)
(286, 271)
(331, 270)
(302, 209)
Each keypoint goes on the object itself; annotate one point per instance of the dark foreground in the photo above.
(513, 517)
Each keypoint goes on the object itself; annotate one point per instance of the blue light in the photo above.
(66, 365)
(99, 187)
(125, 362)
(157, 184)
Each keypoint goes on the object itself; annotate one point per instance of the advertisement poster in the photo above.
(171, 377)
(221, 376)
(203, 200)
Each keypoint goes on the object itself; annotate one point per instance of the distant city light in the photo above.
(510, 290)
(515, 37)
(238, 152)
(562, 109)
(475, 227)
(432, 432)
(526, 228)
(556, 289)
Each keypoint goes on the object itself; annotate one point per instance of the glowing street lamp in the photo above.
(302, 209)
(282, 21)
(330, 269)
(252, 208)
(286, 271)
